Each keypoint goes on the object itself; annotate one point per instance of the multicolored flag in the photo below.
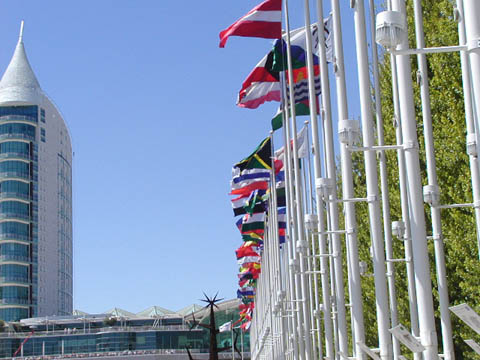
(259, 159)
(263, 21)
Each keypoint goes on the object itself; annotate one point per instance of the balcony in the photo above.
(21, 258)
(7, 118)
(11, 155)
(20, 136)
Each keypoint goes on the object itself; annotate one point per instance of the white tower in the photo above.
(35, 198)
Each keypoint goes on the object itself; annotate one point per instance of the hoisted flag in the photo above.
(263, 21)
(259, 159)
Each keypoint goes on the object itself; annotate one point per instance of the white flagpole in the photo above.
(347, 187)
(301, 244)
(419, 237)
(387, 228)
(446, 324)
(330, 171)
(291, 238)
(471, 133)
(233, 349)
(383, 314)
(412, 292)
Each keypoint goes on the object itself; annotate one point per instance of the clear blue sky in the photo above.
(149, 99)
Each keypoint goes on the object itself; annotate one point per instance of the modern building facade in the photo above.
(35, 198)
(155, 333)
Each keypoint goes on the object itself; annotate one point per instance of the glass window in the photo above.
(16, 147)
(15, 187)
(12, 166)
(14, 208)
(14, 272)
(30, 111)
(14, 228)
(14, 128)
(13, 314)
(14, 249)
(42, 131)
(14, 292)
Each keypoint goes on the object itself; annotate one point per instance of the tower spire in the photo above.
(20, 36)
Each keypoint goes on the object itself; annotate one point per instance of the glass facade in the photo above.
(18, 203)
(84, 335)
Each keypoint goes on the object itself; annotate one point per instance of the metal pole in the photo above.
(412, 292)
(290, 240)
(330, 173)
(423, 284)
(469, 117)
(387, 229)
(347, 190)
(432, 180)
(383, 315)
(304, 319)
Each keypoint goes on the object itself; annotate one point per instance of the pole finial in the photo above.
(20, 36)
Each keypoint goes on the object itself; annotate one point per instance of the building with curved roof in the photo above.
(35, 198)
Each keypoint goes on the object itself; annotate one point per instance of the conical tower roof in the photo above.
(19, 83)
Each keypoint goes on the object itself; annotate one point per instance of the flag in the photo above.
(246, 251)
(264, 21)
(246, 325)
(247, 190)
(248, 176)
(301, 108)
(302, 146)
(245, 293)
(253, 223)
(249, 259)
(259, 159)
(225, 327)
(261, 85)
(252, 237)
(239, 204)
(298, 46)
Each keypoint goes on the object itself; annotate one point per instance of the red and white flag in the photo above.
(260, 86)
(263, 21)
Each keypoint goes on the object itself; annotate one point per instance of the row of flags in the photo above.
(261, 173)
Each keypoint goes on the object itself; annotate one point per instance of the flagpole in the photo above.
(383, 313)
(387, 228)
(412, 292)
(414, 182)
(291, 238)
(301, 244)
(446, 325)
(329, 165)
(233, 350)
(276, 249)
(347, 187)
(470, 120)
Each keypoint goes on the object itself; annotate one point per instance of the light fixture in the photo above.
(311, 221)
(348, 131)
(431, 195)
(472, 144)
(325, 187)
(391, 29)
(398, 229)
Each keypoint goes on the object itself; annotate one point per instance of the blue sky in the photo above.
(149, 99)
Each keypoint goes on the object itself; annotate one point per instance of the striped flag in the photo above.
(263, 21)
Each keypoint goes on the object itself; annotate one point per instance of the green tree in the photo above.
(458, 225)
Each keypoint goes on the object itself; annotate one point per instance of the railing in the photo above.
(15, 279)
(22, 136)
(14, 174)
(15, 258)
(14, 301)
(4, 216)
(7, 118)
(10, 155)
(13, 195)
(15, 237)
